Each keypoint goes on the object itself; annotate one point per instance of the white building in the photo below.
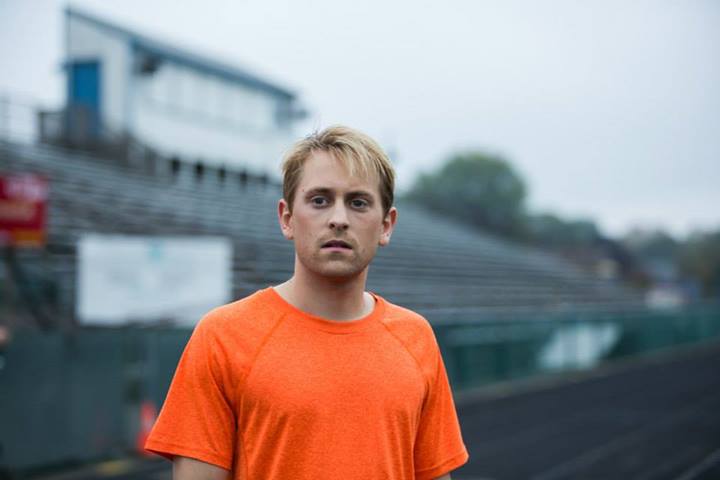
(179, 103)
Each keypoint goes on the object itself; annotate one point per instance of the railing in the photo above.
(480, 353)
(76, 128)
(23, 120)
(18, 119)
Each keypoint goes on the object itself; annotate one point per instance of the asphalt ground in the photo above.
(653, 418)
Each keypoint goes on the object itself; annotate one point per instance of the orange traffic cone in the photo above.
(148, 414)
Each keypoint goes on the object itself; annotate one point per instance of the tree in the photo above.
(552, 231)
(700, 258)
(476, 188)
(652, 244)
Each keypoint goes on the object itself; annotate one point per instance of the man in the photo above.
(316, 378)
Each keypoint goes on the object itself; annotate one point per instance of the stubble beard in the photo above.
(342, 267)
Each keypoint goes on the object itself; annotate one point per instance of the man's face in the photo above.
(337, 220)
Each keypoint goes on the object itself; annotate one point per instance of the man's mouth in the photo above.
(336, 244)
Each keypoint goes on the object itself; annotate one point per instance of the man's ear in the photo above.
(284, 216)
(387, 226)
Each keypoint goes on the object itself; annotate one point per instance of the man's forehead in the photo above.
(322, 171)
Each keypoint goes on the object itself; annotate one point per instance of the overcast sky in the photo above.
(609, 109)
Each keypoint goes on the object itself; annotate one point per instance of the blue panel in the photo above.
(84, 94)
(85, 88)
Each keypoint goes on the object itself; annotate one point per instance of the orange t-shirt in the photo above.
(270, 392)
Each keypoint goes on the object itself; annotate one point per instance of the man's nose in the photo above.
(338, 217)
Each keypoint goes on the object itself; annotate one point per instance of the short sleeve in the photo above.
(197, 419)
(439, 446)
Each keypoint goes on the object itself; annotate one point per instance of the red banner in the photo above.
(23, 210)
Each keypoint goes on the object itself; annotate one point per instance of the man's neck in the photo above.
(334, 299)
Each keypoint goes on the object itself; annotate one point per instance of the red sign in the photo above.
(23, 210)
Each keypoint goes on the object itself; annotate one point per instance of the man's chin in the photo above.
(336, 269)
(340, 271)
(341, 274)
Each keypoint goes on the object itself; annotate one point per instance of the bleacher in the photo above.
(436, 266)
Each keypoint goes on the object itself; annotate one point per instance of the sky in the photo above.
(610, 110)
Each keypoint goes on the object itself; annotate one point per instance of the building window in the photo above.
(160, 85)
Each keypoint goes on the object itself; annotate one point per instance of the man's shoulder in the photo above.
(249, 316)
(400, 318)
(413, 331)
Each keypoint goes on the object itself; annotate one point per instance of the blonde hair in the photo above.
(359, 153)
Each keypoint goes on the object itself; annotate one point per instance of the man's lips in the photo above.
(337, 244)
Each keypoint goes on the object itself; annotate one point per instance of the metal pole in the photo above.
(5, 117)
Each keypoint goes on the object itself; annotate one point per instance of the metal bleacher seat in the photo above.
(433, 264)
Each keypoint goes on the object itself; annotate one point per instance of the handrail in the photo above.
(29, 299)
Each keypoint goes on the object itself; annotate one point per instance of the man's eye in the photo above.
(318, 201)
(359, 203)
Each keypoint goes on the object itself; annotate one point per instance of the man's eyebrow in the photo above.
(359, 193)
(329, 191)
(318, 191)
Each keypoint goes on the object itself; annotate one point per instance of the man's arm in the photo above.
(185, 468)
